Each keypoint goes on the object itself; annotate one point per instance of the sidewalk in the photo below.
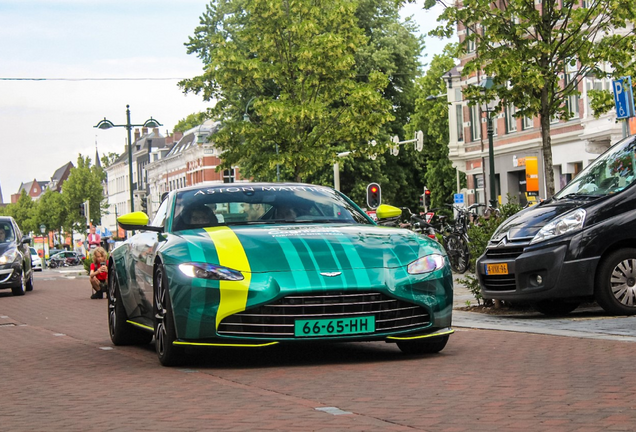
(589, 322)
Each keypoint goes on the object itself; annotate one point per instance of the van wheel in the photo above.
(555, 307)
(615, 287)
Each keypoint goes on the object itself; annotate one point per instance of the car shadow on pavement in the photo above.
(297, 354)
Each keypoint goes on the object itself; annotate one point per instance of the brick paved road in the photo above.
(55, 376)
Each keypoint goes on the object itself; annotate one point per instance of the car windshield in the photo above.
(33, 252)
(6, 232)
(611, 172)
(260, 204)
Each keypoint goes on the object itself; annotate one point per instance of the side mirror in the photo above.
(25, 239)
(136, 221)
(386, 211)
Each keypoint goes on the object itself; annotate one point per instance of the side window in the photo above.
(160, 217)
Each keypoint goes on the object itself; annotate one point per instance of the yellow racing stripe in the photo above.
(232, 255)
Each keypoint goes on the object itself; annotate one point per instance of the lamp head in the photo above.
(152, 123)
(104, 124)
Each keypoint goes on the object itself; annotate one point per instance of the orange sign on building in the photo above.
(532, 176)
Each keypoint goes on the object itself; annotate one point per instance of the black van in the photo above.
(579, 245)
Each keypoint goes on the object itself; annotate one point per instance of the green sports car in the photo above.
(256, 264)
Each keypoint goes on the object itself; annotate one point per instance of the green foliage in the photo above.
(527, 47)
(479, 235)
(291, 66)
(392, 48)
(51, 211)
(431, 117)
(190, 121)
(84, 183)
(109, 159)
(23, 211)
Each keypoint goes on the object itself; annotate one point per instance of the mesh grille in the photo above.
(504, 252)
(499, 282)
(277, 319)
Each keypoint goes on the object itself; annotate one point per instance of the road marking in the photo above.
(106, 348)
(333, 410)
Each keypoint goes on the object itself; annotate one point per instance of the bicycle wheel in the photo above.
(457, 251)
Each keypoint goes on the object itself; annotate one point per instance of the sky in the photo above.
(96, 58)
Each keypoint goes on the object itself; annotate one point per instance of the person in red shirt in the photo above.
(99, 273)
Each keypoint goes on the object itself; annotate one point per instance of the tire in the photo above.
(121, 332)
(423, 346)
(555, 307)
(615, 287)
(20, 290)
(29, 282)
(165, 332)
(457, 251)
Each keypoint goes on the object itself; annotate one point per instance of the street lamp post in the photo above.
(489, 108)
(107, 124)
(246, 118)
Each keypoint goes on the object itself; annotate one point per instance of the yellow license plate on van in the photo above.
(497, 269)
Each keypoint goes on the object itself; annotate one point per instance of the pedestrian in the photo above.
(99, 273)
(94, 240)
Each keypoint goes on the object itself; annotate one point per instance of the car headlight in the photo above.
(9, 256)
(569, 222)
(210, 271)
(426, 264)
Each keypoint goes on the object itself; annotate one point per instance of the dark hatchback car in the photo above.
(578, 246)
(65, 259)
(15, 258)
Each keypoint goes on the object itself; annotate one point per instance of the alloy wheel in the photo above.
(623, 282)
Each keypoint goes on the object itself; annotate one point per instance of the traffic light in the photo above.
(422, 200)
(427, 198)
(144, 205)
(374, 195)
(82, 210)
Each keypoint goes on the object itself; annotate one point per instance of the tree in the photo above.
(193, 120)
(431, 117)
(394, 49)
(290, 67)
(23, 213)
(538, 53)
(84, 183)
(109, 159)
(51, 211)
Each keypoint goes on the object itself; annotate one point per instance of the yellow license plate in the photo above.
(497, 269)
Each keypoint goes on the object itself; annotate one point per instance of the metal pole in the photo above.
(491, 157)
(336, 176)
(130, 170)
(277, 166)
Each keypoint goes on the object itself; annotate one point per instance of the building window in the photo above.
(459, 111)
(528, 123)
(228, 176)
(470, 42)
(511, 121)
(475, 123)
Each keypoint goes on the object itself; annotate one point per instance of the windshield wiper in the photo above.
(578, 196)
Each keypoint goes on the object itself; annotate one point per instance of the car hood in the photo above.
(4, 247)
(528, 222)
(326, 248)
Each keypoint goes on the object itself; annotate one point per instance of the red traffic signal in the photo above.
(374, 195)
(427, 198)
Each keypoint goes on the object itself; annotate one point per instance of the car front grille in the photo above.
(499, 282)
(277, 319)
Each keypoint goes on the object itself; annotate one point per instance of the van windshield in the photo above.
(611, 172)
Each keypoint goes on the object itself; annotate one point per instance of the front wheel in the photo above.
(457, 251)
(423, 346)
(22, 288)
(615, 287)
(168, 353)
